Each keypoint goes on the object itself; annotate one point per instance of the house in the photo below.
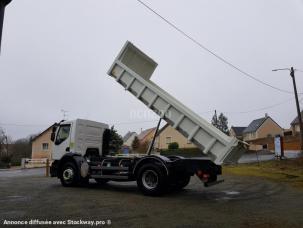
(167, 135)
(295, 126)
(42, 145)
(147, 135)
(261, 128)
(129, 138)
(237, 132)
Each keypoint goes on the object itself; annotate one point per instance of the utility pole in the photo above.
(292, 74)
(3, 4)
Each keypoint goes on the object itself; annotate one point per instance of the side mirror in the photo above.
(53, 136)
(54, 128)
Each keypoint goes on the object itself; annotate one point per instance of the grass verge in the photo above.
(288, 171)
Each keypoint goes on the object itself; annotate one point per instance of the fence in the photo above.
(33, 163)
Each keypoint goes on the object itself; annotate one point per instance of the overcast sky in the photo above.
(55, 55)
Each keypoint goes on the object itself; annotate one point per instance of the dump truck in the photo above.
(81, 147)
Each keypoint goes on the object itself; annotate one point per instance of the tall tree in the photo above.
(116, 141)
(214, 120)
(220, 122)
(3, 143)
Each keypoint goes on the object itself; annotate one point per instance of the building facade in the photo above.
(129, 138)
(295, 126)
(147, 135)
(261, 128)
(167, 135)
(237, 132)
(42, 145)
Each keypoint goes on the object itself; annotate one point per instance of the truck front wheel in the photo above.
(151, 180)
(69, 175)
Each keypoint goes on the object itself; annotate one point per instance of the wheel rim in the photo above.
(150, 179)
(68, 175)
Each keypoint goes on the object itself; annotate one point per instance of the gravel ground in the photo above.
(238, 202)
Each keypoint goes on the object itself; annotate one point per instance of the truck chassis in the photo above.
(154, 174)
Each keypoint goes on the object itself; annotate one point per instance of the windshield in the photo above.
(63, 133)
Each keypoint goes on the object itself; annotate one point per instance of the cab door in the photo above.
(62, 141)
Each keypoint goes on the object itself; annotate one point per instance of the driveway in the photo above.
(238, 202)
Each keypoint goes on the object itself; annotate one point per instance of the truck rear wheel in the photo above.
(69, 176)
(182, 182)
(151, 180)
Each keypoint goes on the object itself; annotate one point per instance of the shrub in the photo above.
(6, 159)
(173, 146)
(184, 152)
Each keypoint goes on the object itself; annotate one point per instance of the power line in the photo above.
(45, 125)
(263, 108)
(155, 120)
(23, 125)
(136, 122)
(210, 51)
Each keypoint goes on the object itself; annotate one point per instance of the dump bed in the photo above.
(133, 69)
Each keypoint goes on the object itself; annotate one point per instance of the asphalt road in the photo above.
(238, 202)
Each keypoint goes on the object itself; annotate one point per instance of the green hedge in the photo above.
(184, 152)
(4, 165)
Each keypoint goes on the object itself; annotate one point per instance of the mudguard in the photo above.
(152, 158)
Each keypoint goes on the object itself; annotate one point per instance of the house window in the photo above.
(44, 146)
(168, 140)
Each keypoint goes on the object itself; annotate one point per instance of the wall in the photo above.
(269, 127)
(295, 129)
(249, 136)
(290, 143)
(149, 137)
(37, 150)
(175, 137)
(233, 133)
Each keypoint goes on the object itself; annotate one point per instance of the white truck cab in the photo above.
(78, 136)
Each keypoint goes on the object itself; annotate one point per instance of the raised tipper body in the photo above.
(133, 69)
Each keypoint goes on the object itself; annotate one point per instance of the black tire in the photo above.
(84, 182)
(151, 180)
(182, 182)
(69, 176)
(101, 181)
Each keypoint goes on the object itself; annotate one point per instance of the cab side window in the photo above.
(63, 134)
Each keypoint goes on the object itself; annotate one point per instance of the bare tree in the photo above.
(5, 156)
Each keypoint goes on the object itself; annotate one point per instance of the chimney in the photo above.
(266, 115)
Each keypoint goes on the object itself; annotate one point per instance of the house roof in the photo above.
(238, 130)
(296, 120)
(43, 132)
(254, 125)
(144, 133)
(128, 135)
